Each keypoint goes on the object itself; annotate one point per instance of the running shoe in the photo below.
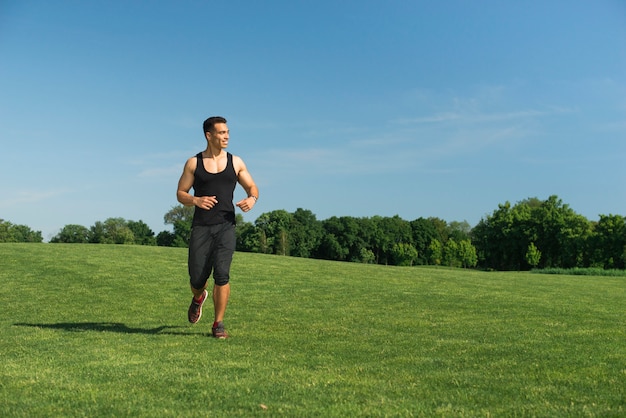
(195, 309)
(219, 331)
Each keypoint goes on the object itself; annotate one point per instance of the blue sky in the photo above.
(357, 108)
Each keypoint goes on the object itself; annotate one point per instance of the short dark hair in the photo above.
(209, 124)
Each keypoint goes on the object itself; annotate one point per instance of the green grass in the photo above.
(591, 271)
(98, 330)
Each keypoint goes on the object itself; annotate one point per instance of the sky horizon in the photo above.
(417, 109)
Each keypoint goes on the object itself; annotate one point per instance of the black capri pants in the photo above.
(211, 249)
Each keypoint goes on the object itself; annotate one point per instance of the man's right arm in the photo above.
(186, 183)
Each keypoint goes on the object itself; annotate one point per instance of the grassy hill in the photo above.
(98, 330)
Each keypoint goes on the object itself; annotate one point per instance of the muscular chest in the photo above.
(214, 166)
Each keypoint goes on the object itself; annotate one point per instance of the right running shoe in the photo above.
(195, 309)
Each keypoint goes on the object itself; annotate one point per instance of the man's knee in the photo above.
(197, 283)
(221, 281)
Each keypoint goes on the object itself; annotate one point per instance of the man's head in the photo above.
(209, 124)
(216, 132)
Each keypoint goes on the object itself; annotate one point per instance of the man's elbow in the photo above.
(181, 197)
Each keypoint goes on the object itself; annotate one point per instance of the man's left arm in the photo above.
(245, 179)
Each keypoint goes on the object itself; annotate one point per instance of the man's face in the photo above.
(219, 136)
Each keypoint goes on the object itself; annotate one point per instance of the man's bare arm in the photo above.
(186, 183)
(245, 179)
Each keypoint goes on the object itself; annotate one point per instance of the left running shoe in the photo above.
(218, 331)
(195, 309)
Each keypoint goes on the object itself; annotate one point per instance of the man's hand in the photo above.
(246, 204)
(205, 202)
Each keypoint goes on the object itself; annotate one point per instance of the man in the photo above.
(213, 174)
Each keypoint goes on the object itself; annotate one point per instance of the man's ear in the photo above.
(207, 135)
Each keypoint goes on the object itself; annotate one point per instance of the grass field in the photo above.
(99, 330)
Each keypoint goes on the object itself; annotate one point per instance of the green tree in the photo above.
(451, 254)
(561, 234)
(247, 235)
(5, 231)
(442, 228)
(165, 239)
(467, 254)
(389, 231)
(179, 213)
(305, 233)
(72, 233)
(264, 247)
(490, 234)
(403, 254)
(182, 234)
(342, 239)
(18, 233)
(533, 255)
(424, 232)
(111, 231)
(116, 231)
(367, 256)
(331, 249)
(181, 218)
(142, 233)
(435, 252)
(97, 233)
(459, 231)
(275, 227)
(23, 233)
(608, 241)
(502, 239)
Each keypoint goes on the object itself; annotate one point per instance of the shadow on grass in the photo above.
(110, 327)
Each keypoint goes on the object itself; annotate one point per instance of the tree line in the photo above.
(530, 234)
(18, 233)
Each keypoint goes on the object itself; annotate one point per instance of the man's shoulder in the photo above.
(237, 162)
(192, 162)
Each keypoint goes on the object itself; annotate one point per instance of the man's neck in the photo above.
(213, 153)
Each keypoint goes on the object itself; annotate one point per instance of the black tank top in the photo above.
(222, 185)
